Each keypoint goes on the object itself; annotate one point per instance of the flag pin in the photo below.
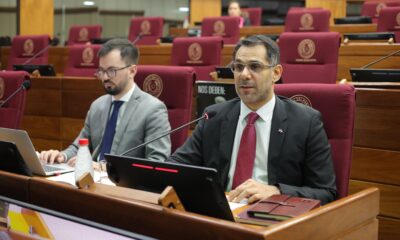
(280, 130)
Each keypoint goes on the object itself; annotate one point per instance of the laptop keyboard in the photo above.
(50, 168)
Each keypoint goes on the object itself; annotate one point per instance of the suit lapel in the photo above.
(126, 118)
(228, 130)
(278, 132)
(102, 124)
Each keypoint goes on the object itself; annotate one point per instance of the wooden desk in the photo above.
(350, 55)
(276, 30)
(353, 217)
(14, 186)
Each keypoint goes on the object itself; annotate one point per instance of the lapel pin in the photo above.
(280, 130)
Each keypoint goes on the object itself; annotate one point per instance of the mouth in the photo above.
(108, 84)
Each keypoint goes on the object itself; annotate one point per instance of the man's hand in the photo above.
(253, 191)
(51, 156)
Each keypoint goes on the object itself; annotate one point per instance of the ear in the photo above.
(133, 70)
(277, 73)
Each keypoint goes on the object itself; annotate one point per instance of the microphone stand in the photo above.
(165, 134)
(13, 94)
(38, 53)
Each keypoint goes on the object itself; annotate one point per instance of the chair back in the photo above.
(389, 19)
(173, 86)
(307, 20)
(336, 102)
(309, 57)
(201, 53)
(81, 34)
(25, 47)
(12, 112)
(254, 14)
(225, 27)
(82, 60)
(373, 8)
(146, 30)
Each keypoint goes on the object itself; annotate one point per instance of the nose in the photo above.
(245, 73)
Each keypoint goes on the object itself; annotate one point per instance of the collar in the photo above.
(127, 95)
(265, 112)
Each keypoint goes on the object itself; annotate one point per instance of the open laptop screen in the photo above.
(198, 188)
(44, 70)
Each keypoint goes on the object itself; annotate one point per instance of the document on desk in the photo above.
(234, 205)
(70, 178)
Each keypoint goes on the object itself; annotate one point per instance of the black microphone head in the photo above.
(26, 84)
(55, 41)
(210, 114)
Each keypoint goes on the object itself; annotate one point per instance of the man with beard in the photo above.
(125, 117)
(262, 144)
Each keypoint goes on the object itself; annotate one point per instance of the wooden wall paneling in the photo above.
(70, 129)
(155, 55)
(36, 18)
(42, 126)
(43, 144)
(389, 228)
(376, 165)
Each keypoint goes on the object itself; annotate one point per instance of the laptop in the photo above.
(25, 147)
(198, 188)
(44, 70)
(374, 75)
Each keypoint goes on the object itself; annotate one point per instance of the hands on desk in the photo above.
(253, 191)
(51, 156)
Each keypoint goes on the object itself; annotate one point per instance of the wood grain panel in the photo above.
(76, 104)
(377, 119)
(389, 196)
(42, 126)
(366, 231)
(389, 228)
(43, 102)
(376, 165)
(70, 129)
(36, 18)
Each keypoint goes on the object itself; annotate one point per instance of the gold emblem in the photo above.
(153, 85)
(379, 8)
(28, 47)
(2, 88)
(87, 57)
(306, 21)
(83, 35)
(195, 52)
(306, 48)
(301, 99)
(219, 28)
(145, 27)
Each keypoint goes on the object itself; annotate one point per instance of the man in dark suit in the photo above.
(262, 144)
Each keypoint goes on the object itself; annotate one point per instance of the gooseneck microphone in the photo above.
(53, 42)
(25, 86)
(138, 37)
(207, 115)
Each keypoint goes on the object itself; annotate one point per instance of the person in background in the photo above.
(262, 144)
(123, 118)
(235, 11)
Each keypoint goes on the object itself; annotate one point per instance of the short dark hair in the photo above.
(129, 52)
(271, 47)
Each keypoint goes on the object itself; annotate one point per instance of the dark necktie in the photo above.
(109, 133)
(247, 152)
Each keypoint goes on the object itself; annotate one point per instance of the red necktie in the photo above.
(247, 152)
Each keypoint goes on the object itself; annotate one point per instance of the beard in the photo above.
(112, 90)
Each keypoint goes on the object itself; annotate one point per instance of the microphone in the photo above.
(380, 59)
(206, 116)
(53, 42)
(25, 85)
(138, 37)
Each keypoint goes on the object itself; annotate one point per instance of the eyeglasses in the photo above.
(255, 67)
(111, 72)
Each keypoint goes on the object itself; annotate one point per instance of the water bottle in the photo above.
(83, 162)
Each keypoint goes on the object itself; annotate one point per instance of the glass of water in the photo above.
(102, 168)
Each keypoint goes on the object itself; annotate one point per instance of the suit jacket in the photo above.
(299, 157)
(145, 117)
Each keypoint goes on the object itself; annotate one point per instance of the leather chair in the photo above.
(174, 86)
(389, 20)
(12, 112)
(82, 34)
(202, 53)
(82, 60)
(225, 27)
(146, 30)
(337, 106)
(373, 8)
(309, 57)
(254, 14)
(307, 20)
(25, 47)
